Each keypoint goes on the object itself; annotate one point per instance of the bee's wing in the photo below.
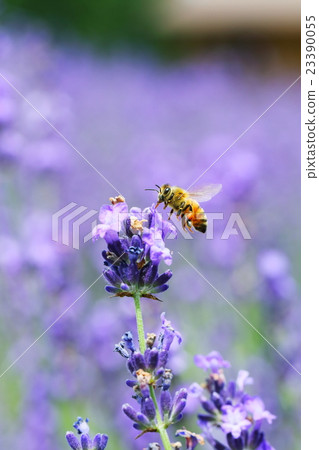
(205, 193)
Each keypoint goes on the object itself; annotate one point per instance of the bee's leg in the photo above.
(179, 212)
(186, 223)
(182, 209)
(183, 221)
(165, 205)
(170, 214)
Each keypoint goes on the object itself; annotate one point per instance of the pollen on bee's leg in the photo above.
(189, 226)
(184, 222)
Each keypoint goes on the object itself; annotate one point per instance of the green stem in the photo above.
(139, 322)
(141, 338)
(160, 424)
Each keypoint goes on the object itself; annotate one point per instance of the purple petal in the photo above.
(104, 441)
(243, 378)
(72, 441)
(213, 361)
(159, 289)
(162, 279)
(112, 289)
(196, 390)
(143, 419)
(86, 442)
(256, 407)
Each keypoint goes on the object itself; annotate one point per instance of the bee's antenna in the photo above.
(154, 189)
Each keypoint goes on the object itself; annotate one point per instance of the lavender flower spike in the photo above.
(85, 443)
(152, 377)
(135, 247)
(229, 408)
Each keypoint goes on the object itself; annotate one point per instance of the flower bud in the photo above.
(72, 441)
(149, 408)
(130, 412)
(166, 402)
(138, 361)
(152, 359)
(86, 442)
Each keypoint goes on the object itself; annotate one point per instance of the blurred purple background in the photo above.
(142, 121)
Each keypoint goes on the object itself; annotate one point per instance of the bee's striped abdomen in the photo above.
(199, 220)
(201, 226)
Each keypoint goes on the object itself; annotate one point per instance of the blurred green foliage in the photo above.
(108, 24)
(103, 22)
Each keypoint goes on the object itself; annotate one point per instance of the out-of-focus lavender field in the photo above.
(142, 122)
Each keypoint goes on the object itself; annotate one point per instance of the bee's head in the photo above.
(163, 192)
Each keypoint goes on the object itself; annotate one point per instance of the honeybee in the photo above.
(185, 204)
